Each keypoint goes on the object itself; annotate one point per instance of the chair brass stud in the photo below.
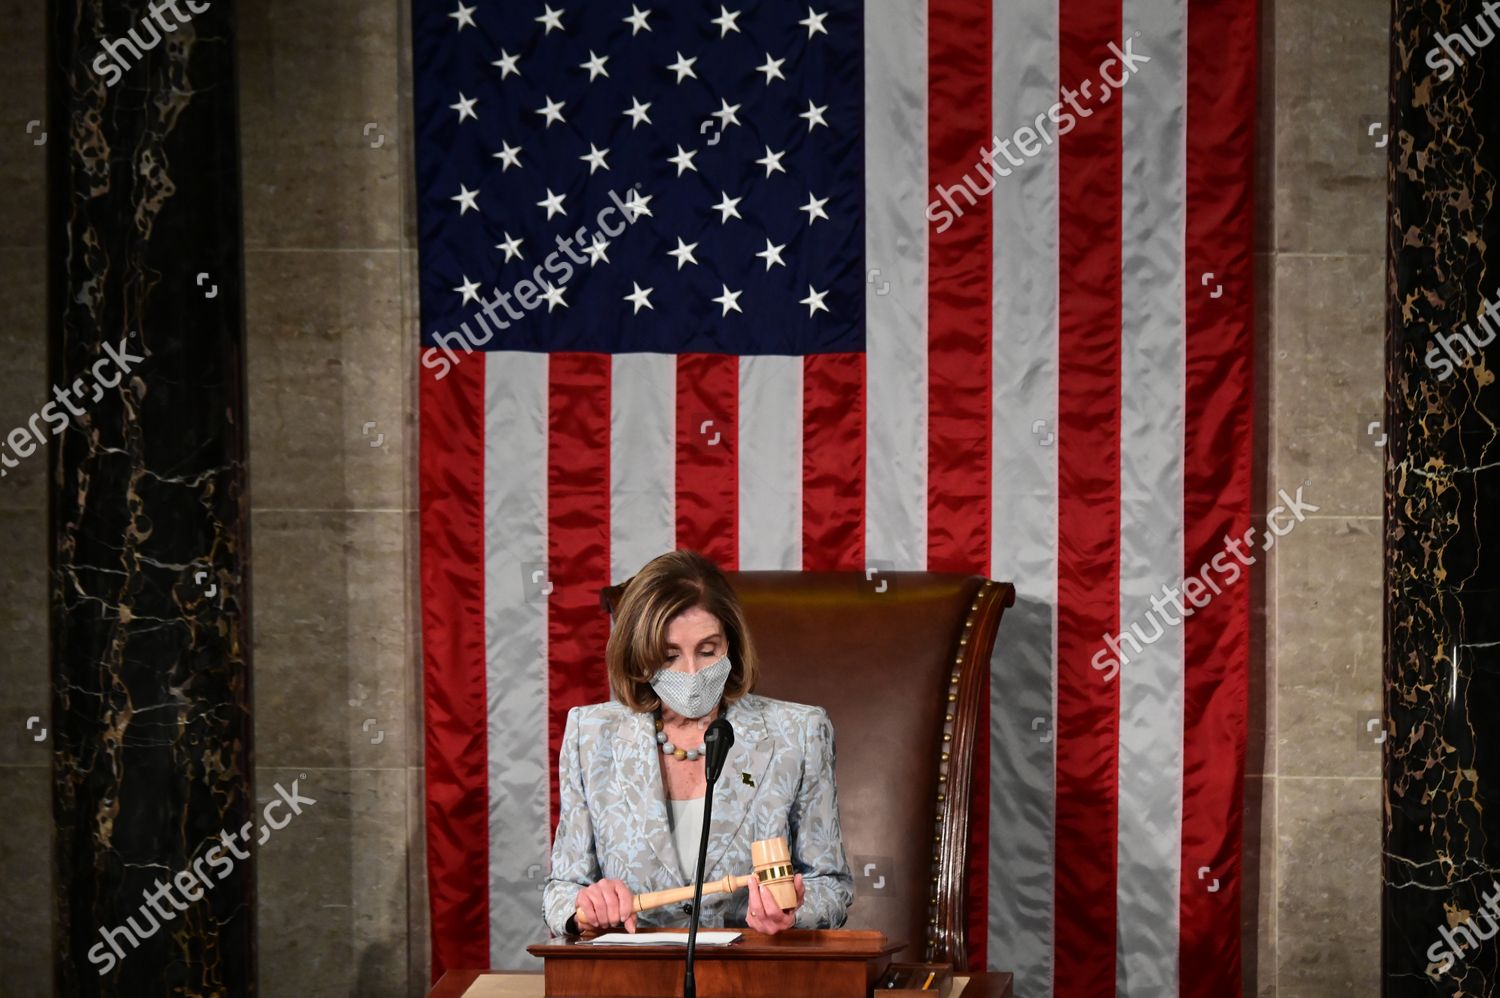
(945, 759)
(942, 777)
(948, 718)
(952, 697)
(946, 737)
(968, 624)
(942, 797)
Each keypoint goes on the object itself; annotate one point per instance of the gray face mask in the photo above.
(695, 695)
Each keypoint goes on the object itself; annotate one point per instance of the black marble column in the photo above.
(149, 513)
(1442, 511)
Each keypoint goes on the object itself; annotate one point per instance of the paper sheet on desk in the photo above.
(707, 937)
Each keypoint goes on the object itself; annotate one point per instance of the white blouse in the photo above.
(687, 829)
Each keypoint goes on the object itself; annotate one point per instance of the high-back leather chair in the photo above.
(900, 661)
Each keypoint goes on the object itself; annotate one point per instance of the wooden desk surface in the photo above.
(455, 983)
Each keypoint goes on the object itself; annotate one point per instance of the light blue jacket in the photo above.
(777, 781)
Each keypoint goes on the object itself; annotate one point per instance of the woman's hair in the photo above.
(668, 585)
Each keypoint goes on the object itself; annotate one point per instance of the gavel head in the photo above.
(773, 868)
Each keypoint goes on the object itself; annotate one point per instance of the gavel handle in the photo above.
(656, 899)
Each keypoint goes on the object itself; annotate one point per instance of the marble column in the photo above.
(1442, 510)
(148, 509)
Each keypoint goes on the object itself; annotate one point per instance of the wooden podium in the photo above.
(827, 963)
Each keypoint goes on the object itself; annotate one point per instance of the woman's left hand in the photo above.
(765, 915)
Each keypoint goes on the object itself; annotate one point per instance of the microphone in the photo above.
(717, 741)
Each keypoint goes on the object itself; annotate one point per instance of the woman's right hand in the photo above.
(604, 905)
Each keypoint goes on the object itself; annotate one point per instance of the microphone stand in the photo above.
(719, 737)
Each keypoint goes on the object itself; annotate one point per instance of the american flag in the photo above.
(738, 279)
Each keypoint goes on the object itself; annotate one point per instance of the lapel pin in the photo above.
(745, 779)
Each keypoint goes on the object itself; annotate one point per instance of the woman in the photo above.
(631, 776)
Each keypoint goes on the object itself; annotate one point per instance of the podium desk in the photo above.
(519, 984)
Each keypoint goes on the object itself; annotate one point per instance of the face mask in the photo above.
(695, 695)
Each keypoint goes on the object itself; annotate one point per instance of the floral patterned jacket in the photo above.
(777, 781)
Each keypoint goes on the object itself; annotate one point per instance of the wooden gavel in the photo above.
(773, 868)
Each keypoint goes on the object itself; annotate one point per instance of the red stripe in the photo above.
(1088, 514)
(1217, 481)
(960, 263)
(708, 400)
(833, 462)
(453, 664)
(578, 387)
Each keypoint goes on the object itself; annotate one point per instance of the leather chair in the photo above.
(901, 663)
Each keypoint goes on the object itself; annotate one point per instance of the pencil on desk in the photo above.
(930, 975)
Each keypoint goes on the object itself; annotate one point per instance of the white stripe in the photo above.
(515, 628)
(896, 292)
(1153, 338)
(770, 463)
(642, 460)
(1024, 547)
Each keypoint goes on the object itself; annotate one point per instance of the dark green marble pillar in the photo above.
(149, 514)
(1442, 511)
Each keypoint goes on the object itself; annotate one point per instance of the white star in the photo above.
(469, 289)
(726, 208)
(814, 301)
(683, 67)
(553, 204)
(464, 16)
(813, 22)
(726, 20)
(508, 155)
(636, 206)
(640, 298)
(552, 111)
(814, 208)
(507, 64)
(726, 114)
(637, 20)
(772, 161)
(465, 107)
(595, 65)
(466, 199)
(683, 160)
(730, 300)
(511, 246)
(772, 254)
(637, 113)
(683, 253)
(814, 115)
(553, 296)
(772, 68)
(553, 19)
(595, 159)
(597, 250)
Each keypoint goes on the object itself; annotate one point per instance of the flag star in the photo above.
(464, 16)
(595, 159)
(511, 246)
(636, 206)
(726, 114)
(726, 208)
(772, 254)
(683, 253)
(683, 67)
(469, 289)
(552, 111)
(466, 199)
(814, 208)
(595, 65)
(465, 107)
(726, 20)
(507, 64)
(813, 22)
(508, 156)
(772, 69)
(772, 161)
(814, 115)
(730, 300)
(553, 296)
(640, 297)
(597, 250)
(637, 113)
(553, 204)
(553, 19)
(683, 160)
(637, 20)
(814, 301)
